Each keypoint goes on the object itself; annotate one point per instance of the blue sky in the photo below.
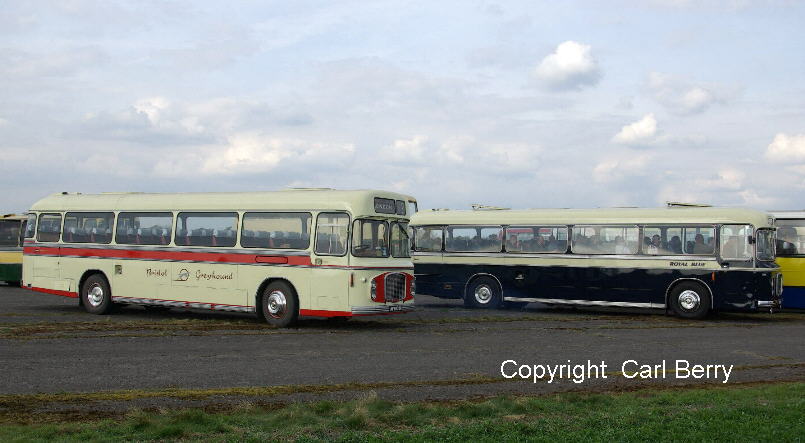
(520, 104)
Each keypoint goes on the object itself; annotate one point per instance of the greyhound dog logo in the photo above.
(184, 274)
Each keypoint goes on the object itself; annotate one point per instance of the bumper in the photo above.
(383, 309)
(768, 304)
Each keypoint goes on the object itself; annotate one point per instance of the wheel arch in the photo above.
(679, 281)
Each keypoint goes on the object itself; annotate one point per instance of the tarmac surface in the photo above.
(56, 357)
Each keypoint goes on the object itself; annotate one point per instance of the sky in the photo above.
(516, 104)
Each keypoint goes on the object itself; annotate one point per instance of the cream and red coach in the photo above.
(308, 252)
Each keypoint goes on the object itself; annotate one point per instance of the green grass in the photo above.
(774, 412)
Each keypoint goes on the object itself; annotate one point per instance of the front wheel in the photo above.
(96, 296)
(483, 292)
(690, 300)
(279, 304)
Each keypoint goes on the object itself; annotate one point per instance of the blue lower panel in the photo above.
(794, 297)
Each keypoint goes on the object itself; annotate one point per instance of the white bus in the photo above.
(284, 254)
(688, 260)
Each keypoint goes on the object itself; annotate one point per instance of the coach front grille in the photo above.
(395, 287)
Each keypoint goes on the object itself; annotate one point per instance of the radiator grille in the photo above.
(395, 287)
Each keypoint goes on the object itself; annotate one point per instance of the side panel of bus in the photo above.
(793, 269)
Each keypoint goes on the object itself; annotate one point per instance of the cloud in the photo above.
(786, 148)
(681, 96)
(640, 132)
(570, 66)
(615, 169)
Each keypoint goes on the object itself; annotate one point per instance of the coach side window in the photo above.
(474, 239)
(536, 239)
(276, 230)
(217, 229)
(332, 233)
(428, 238)
(144, 228)
(699, 240)
(735, 242)
(612, 240)
(88, 227)
(49, 228)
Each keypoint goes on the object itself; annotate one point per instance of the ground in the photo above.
(59, 361)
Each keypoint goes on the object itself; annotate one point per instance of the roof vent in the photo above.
(310, 189)
(479, 207)
(687, 205)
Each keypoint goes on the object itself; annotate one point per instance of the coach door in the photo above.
(330, 277)
(46, 251)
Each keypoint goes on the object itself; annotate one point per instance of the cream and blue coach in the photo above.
(688, 260)
(281, 254)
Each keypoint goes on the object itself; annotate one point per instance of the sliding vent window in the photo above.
(536, 239)
(88, 227)
(276, 230)
(735, 242)
(332, 230)
(610, 240)
(144, 228)
(370, 238)
(207, 229)
(474, 238)
(49, 228)
(400, 243)
(428, 239)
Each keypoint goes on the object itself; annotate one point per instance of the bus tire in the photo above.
(96, 296)
(279, 304)
(484, 293)
(690, 300)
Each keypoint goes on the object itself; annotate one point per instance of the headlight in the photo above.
(373, 290)
(413, 287)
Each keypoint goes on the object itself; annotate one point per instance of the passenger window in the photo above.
(790, 237)
(144, 228)
(428, 238)
(49, 228)
(370, 238)
(332, 234)
(474, 239)
(662, 240)
(9, 232)
(88, 227)
(30, 227)
(700, 240)
(276, 230)
(536, 239)
(216, 229)
(612, 240)
(735, 242)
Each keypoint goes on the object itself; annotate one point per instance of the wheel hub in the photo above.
(689, 300)
(95, 295)
(483, 294)
(276, 304)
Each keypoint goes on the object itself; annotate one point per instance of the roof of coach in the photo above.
(355, 201)
(673, 215)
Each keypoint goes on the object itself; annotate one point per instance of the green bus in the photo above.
(12, 228)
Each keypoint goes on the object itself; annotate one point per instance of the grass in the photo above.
(771, 412)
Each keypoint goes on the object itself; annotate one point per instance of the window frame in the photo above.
(500, 239)
(174, 220)
(387, 238)
(39, 224)
(572, 240)
(178, 216)
(348, 247)
(751, 240)
(442, 243)
(113, 227)
(506, 235)
(309, 233)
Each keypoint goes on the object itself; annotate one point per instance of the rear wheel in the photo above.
(279, 304)
(96, 296)
(483, 292)
(690, 300)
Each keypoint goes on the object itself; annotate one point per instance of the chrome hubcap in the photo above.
(689, 300)
(95, 295)
(483, 294)
(276, 304)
